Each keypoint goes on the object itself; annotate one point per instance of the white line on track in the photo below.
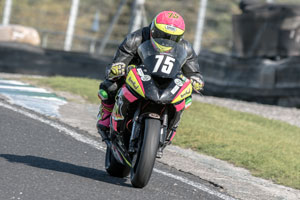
(27, 89)
(13, 82)
(98, 146)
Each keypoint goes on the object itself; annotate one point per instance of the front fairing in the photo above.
(159, 78)
(160, 95)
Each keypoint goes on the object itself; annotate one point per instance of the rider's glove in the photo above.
(117, 70)
(197, 83)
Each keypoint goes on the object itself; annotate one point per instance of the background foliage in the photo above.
(52, 15)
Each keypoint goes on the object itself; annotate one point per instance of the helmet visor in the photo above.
(156, 33)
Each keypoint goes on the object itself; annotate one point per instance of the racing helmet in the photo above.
(166, 25)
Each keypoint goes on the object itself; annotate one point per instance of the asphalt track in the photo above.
(45, 159)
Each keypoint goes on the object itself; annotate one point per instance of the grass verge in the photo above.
(85, 87)
(268, 148)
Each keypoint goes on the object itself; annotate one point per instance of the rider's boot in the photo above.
(103, 120)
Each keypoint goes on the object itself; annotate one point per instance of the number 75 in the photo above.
(167, 65)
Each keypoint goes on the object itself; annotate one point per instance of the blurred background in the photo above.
(95, 17)
(248, 49)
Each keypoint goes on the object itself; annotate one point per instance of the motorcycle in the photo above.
(153, 93)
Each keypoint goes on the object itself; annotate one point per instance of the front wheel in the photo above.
(142, 169)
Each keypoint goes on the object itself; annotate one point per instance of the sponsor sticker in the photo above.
(185, 93)
(178, 82)
(182, 77)
(175, 89)
(140, 72)
(134, 84)
(154, 115)
(171, 28)
(146, 78)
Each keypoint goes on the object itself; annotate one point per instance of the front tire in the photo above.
(113, 167)
(142, 169)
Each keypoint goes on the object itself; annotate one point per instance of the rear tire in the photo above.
(142, 169)
(113, 167)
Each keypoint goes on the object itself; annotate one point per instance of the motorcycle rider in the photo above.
(166, 25)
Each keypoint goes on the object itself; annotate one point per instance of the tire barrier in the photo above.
(27, 59)
(252, 79)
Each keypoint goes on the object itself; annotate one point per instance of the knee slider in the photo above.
(102, 94)
(110, 87)
(108, 90)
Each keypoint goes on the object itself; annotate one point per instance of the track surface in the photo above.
(38, 161)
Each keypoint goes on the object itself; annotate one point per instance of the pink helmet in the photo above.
(167, 25)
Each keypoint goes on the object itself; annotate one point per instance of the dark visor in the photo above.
(156, 33)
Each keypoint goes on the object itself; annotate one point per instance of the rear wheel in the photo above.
(113, 167)
(142, 167)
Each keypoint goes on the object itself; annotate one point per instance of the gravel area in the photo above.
(289, 115)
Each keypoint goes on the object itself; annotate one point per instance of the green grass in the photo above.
(85, 87)
(268, 148)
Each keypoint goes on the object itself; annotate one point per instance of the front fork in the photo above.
(135, 132)
(164, 129)
(136, 128)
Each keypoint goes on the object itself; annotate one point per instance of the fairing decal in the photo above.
(117, 154)
(114, 123)
(173, 136)
(188, 102)
(128, 95)
(135, 82)
(117, 111)
(124, 158)
(184, 92)
(180, 106)
(161, 48)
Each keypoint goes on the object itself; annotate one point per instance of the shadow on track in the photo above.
(59, 166)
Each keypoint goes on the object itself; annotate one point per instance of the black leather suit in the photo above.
(127, 53)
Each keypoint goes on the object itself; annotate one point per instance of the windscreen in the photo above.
(163, 64)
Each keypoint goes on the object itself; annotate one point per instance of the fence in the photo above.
(97, 22)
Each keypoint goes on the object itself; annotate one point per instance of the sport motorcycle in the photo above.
(143, 115)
